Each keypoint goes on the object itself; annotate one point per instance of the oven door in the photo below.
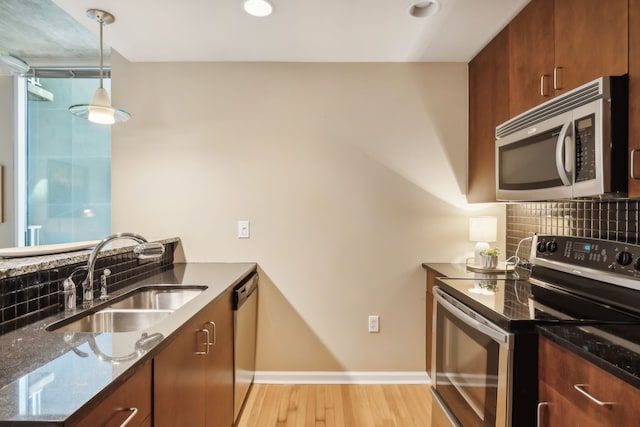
(537, 163)
(472, 365)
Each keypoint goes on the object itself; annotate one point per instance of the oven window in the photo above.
(530, 164)
(467, 369)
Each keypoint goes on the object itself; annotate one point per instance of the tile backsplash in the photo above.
(615, 219)
(27, 298)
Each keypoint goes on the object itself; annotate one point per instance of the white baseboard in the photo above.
(339, 377)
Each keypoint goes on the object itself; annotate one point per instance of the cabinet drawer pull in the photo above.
(557, 78)
(213, 331)
(538, 411)
(580, 388)
(206, 342)
(543, 85)
(131, 416)
(633, 163)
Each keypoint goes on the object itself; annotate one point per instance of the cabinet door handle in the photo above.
(538, 411)
(213, 331)
(131, 416)
(580, 388)
(557, 78)
(206, 342)
(633, 163)
(543, 85)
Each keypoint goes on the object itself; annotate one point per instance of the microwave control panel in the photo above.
(585, 142)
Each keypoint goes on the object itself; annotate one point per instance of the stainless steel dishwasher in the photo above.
(245, 318)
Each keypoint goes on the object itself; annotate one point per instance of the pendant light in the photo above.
(100, 110)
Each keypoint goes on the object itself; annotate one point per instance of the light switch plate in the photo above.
(243, 229)
(374, 323)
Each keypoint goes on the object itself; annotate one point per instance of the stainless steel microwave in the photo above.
(574, 145)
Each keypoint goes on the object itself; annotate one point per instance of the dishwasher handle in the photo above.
(244, 289)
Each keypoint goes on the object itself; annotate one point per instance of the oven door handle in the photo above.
(501, 337)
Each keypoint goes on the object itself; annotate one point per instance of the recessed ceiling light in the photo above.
(424, 8)
(259, 8)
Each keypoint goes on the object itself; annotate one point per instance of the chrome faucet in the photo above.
(144, 250)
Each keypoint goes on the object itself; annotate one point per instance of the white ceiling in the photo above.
(219, 30)
(298, 30)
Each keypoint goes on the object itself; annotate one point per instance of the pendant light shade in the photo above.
(100, 110)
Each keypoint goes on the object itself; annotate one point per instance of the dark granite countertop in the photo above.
(67, 370)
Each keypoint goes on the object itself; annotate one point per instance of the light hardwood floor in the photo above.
(337, 405)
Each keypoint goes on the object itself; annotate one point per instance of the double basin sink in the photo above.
(136, 310)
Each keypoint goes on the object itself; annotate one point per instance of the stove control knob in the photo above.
(542, 246)
(552, 246)
(637, 264)
(624, 258)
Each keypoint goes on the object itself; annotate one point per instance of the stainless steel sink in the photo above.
(109, 320)
(136, 310)
(157, 297)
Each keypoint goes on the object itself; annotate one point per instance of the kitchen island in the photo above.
(56, 378)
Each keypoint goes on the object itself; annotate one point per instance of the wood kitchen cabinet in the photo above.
(634, 97)
(193, 376)
(431, 282)
(488, 107)
(591, 40)
(531, 56)
(560, 370)
(556, 46)
(131, 400)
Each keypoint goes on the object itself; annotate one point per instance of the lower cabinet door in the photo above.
(178, 382)
(130, 401)
(193, 375)
(575, 392)
(219, 365)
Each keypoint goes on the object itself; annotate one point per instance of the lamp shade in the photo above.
(483, 229)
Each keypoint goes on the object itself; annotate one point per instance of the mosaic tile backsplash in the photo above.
(615, 219)
(30, 297)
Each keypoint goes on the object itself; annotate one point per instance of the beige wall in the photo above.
(7, 126)
(352, 175)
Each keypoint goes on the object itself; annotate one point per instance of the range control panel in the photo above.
(581, 252)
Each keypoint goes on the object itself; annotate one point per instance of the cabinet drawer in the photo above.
(134, 395)
(562, 373)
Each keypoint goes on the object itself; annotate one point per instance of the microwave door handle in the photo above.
(564, 148)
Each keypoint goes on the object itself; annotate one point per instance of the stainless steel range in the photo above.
(485, 359)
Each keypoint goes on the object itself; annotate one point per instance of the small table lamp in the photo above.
(482, 229)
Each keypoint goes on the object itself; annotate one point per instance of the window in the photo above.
(67, 163)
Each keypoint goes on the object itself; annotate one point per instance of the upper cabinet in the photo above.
(488, 107)
(531, 56)
(550, 47)
(591, 40)
(558, 45)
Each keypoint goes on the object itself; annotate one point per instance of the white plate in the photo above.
(57, 248)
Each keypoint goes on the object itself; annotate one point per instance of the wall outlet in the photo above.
(243, 229)
(374, 323)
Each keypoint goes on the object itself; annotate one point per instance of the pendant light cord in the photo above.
(100, 20)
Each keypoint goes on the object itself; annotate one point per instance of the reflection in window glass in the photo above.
(68, 179)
